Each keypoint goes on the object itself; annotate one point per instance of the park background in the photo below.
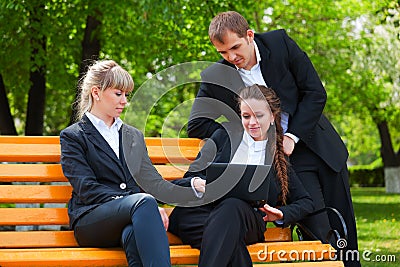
(353, 44)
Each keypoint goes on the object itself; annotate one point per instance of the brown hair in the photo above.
(260, 92)
(227, 21)
(102, 74)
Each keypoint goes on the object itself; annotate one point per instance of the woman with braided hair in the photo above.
(223, 228)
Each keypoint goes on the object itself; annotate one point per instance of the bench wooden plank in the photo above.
(83, 257)
(53, 173)
(51, 239)
(165, 150)
(35, 193)
(29, 152)
(37, 239)
(51, 153)
(34, 216)
(33, 239)
(13, 139)
(275, 234)
(175, 142)
(62, 257)
(179, 255)
(171, 154)
(154, 141)
(31, 173)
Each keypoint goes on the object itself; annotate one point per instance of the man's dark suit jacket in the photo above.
(221, 147)
(289, 71)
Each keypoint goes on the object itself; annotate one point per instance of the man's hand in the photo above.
(288, 145)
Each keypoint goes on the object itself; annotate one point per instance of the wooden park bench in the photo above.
(37, 160)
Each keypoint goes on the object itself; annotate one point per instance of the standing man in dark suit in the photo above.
(316, 151)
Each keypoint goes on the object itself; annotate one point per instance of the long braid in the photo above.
(280, 162)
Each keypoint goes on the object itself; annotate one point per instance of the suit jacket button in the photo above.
(122, 186)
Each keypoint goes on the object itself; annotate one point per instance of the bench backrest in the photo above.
(45, 150)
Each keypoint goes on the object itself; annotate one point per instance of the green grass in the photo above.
(378, 226)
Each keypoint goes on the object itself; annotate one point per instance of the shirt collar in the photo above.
(258, 57)
(100, 123)
(255, 145)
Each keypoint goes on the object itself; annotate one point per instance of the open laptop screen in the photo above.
(244, 181)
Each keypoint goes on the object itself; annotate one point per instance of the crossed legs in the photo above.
(132, 222)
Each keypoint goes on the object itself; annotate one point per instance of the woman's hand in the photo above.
(164, 217)
(271, 214)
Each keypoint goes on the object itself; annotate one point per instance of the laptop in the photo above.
(244, 181)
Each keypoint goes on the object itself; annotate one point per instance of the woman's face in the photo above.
(109, 104)
(256, 118)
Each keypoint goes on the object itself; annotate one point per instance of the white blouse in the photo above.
(250, 151)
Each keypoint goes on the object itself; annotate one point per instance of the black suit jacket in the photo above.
(289, 71)
(221, 147)
(97, 174)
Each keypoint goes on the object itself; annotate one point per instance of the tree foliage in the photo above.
(353, 45)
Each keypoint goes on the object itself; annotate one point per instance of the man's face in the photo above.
(236, 50)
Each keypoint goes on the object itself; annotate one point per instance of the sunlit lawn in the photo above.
(378, 224)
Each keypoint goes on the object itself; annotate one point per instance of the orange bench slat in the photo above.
(13, 149)
(35, 193)
(50, 239)
(53, 173)
(13, 139)
(51, 153)
(179, 255)
(29, 152)
(179, 142)
(155, 141)
(34, 216)
(62, 257)
(31, 172)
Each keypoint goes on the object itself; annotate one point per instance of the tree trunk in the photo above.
(7, 126)
(37, 92)
(36, 102)
(90, 52)
(391, 160)
(392, 179)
